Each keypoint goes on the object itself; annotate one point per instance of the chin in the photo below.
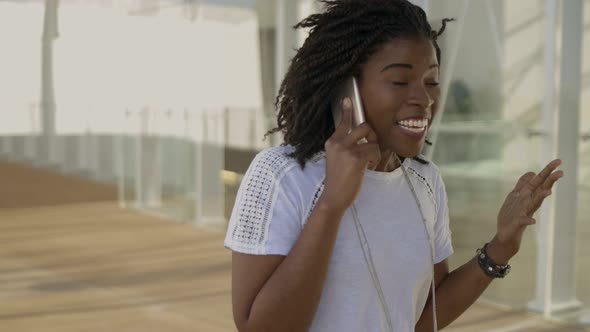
(405, 146)
(408, 151)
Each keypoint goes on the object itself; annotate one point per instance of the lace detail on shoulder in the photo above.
(258, 198)
(424, 181)
(316, 196)
(318, 156)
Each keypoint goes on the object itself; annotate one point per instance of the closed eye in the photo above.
(400, 83)
(433, 83)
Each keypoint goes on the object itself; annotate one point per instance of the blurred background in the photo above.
(127, 125)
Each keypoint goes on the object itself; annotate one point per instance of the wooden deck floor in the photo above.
(24, 186)
(95, 267)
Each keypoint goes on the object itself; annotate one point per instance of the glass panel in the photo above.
(495, 86)
(176, 168)
(173, 153)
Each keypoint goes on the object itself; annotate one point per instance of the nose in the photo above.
(419, 96)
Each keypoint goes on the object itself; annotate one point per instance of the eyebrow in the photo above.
(403, 65)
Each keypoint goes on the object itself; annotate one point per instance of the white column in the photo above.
(148, 192)
(50, 33)
(546, 220)
(285, 43)
(286, 37)
(305, 8)
(32, 140)
(559, 292)
(210, 161)
(563, 292)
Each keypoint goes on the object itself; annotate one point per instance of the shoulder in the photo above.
(268, 211)
(276, 163)
(272, 162)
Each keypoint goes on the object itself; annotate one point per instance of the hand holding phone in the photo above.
(346, 159)
(349, 89)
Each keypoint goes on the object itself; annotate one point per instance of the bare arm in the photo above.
(458, 290)
(287, 301)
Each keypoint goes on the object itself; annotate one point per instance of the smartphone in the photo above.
(349, 88)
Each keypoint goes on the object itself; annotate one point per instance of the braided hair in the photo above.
(340, 40)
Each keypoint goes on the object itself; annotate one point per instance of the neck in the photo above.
(388, 163)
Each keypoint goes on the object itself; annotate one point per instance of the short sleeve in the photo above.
(442, 237)
(266, 217)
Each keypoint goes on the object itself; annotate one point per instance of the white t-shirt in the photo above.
(276, 198)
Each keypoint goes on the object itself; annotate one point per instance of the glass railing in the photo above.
(184, 174)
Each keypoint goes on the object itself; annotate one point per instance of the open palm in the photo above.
(523, 201)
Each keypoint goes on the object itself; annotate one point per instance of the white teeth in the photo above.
(414, 124)
(415, 130)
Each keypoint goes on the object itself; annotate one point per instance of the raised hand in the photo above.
(522, 202)
(346, 160)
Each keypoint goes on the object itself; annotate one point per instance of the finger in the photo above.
(524, 179)
(345, 124)
(550, 181)
(538, 180)
(363, 130)
(370, 153)
(372, 136)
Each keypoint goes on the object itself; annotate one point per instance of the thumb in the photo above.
(346, 123)
(526, 221)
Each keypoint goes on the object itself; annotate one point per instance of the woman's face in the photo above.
(399, 88)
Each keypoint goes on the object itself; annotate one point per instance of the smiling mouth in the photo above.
(417, 126)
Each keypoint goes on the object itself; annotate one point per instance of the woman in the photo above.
(331, 235)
